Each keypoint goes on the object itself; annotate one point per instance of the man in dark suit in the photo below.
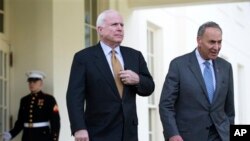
(191, 109)
(104, 81)
(38, 115)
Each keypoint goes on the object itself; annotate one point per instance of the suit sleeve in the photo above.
(76, 94)
(229, 104)
(54, 120)
(169, 95)
(146, 85)
(19, 123)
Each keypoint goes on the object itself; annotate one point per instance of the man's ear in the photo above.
(198, 39)
(98, 29)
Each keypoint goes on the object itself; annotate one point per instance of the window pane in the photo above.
(90, 11)
(151, 99)
(1, 64)
(5, 119)
(150, 119)
(150, 137)
(1, 92)
(87, 11)
(87, 36)
(1, 5)
(151, 45)
(90, 36)
(94, 36)
(4, 87)
(93, 12)
(5, 65)
(1, 119)
(1, 22)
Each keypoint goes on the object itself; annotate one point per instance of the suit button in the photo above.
(208, 127)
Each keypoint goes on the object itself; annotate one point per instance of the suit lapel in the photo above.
(217, 71)
(195, 68)
(103, 67)
(126, 58)
(127, 65)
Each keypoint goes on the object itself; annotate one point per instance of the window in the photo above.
(3, 90)
(92, 9)
(1, 16)
(152, 106)
(4, 69)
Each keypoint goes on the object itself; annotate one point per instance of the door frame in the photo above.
(4, 86)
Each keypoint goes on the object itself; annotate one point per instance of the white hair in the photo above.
(101, 18)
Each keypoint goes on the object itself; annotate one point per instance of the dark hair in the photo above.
(203, 27)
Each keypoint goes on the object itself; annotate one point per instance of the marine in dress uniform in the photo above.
(38, 115)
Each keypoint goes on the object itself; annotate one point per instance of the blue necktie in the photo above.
(208, 78)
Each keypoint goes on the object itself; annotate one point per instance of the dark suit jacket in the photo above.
(107, 117)
(184, 106)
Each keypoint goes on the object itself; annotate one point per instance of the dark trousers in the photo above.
(213, 134)
(37, 134)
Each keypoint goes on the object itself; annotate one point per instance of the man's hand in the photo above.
(129, 77)
(81, 135)
(6, 136)
(176, 138)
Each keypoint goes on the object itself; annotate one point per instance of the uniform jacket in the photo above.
(184, 106)
(107, 117)
(35, 108)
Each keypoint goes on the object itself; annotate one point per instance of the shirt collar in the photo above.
(106, 49)
(200, 59)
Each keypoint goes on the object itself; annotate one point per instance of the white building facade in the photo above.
(45, 34)
(174, 31)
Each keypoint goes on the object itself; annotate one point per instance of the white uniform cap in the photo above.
(35, 74)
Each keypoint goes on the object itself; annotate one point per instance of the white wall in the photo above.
(68, 37)
(179, 26)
